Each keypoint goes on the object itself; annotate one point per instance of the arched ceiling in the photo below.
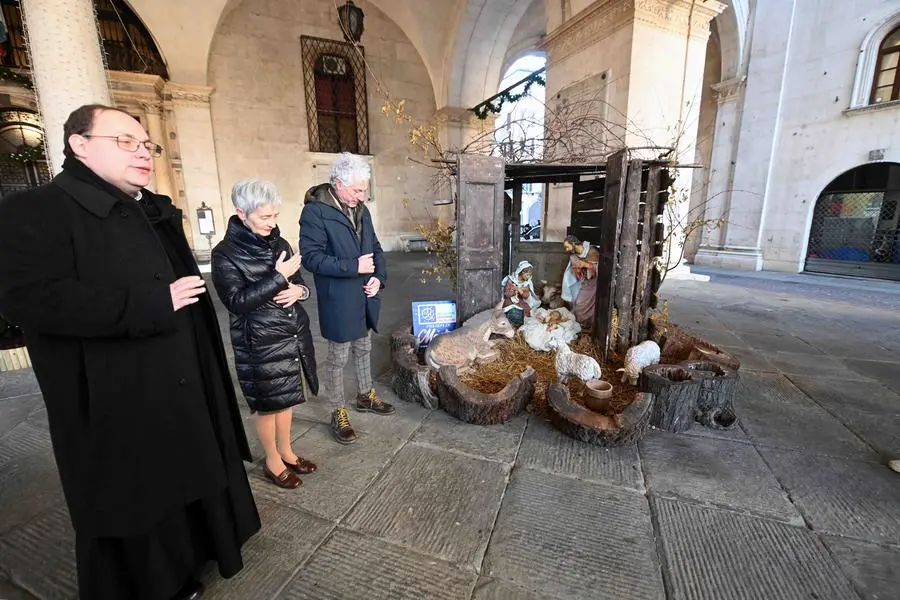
(464, 44)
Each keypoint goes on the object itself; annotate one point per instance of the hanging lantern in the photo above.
(351, 17)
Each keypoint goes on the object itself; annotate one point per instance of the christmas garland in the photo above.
(28, 155)
(495, 103)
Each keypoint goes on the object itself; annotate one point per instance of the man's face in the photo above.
(128, 171)
(262, 220)
(351, 195)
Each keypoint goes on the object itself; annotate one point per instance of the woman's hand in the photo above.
(288, 267)
(292, 295)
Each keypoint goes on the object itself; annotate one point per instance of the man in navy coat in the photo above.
(341, 250)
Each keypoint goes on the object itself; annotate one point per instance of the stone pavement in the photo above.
(795, 503)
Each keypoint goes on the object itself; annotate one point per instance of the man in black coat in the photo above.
(126, 348)
(340, 248)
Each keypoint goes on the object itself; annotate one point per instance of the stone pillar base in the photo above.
(737, 259)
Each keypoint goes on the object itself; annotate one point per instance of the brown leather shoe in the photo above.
(286, 479)
(302, 466)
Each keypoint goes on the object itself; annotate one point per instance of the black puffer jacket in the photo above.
(270, 342)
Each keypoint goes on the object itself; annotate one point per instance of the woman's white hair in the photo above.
(350, 169)
(250, 194)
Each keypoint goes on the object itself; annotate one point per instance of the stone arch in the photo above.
(868, 56)
(479, 49)
(853, 224)
(732, 26)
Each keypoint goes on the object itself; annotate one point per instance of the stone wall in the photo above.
(259, 109)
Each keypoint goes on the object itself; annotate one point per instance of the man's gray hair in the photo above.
(250, 194)
(350, 169)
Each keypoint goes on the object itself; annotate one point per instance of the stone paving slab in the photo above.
(842, 497)
(751, 360)
(40, 557)
(434, 502)
(714, 554)
(777, 343)
(845, 346)
(350, 565)
(345, 472)
(271, 557)
(887, 373)
(546, 449)
(714, 472)
(10, 591)
(574, 540)
(23, 441)
(873, 570)
(826, 367)
(775, 413)
(16, 410)
(735, 434)
(28, 487)
(21, 382)
(493, 442)
(838, 396)
(493, 589)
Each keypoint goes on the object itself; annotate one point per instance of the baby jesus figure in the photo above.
(553, 320)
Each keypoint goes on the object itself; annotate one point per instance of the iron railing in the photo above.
(856, 226)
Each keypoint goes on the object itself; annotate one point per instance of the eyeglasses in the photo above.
(130, 144)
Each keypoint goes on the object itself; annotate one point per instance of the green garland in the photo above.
(495, 104)
(7, 74)
(25, 156)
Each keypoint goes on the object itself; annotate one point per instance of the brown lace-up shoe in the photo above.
(372, 403)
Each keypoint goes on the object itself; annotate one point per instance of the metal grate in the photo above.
(17, 176)
(334, 79)
(856, 226)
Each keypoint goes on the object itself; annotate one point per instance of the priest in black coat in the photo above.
(126, 348)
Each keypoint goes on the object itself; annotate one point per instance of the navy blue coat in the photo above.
(331, 250)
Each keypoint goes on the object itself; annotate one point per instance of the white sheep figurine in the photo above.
(569, 363)
(640, 356)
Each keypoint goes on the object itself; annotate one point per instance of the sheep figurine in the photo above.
(640, 356)
(569, 363)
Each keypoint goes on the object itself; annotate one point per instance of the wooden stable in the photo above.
(617, 206)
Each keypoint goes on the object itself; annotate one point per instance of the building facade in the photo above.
(788, 112)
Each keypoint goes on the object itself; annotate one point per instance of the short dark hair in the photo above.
(81, 121)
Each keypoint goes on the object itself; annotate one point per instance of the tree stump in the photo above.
(584, 425)
(678, 345)
(411, 380)
(715, 402)
(675, 391)
(471, 406)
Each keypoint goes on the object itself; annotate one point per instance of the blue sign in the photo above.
(433, 318)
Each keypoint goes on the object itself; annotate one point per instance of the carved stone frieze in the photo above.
(729, 90)
(604, 17)
(180, 95)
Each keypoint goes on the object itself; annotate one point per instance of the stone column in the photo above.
(153, 111)
(67, 64)
(194, 162)
(713, 251)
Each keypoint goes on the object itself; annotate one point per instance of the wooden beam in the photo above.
(628, 254)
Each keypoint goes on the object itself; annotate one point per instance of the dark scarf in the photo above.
(354, 214)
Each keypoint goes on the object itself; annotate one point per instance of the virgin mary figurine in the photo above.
(519, 297)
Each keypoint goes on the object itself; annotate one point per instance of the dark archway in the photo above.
(856, 224)
(126, 42)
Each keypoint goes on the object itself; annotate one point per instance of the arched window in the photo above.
(126, 42)
(22, 162)
(886, 83)
(334, 80)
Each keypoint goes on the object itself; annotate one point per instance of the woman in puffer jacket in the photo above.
(257, 276)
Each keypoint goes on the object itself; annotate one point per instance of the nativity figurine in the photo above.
(519, 297)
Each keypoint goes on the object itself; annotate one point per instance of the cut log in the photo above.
(715, 402)
(471, 406)
(585, 425)
(675, 391)
(410, 380)
(678, 345)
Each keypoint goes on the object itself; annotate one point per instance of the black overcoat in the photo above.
(271, 343)
(331, 249)
(86, 277)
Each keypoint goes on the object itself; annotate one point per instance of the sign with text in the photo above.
(432, 318)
